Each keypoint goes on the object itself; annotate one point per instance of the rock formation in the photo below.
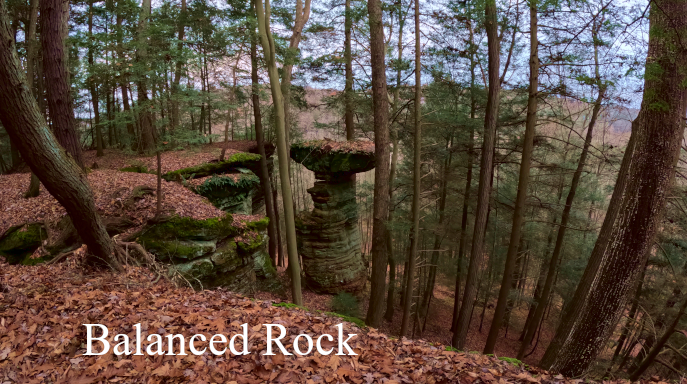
(328, 236)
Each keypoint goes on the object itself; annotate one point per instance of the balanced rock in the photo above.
(328, 236)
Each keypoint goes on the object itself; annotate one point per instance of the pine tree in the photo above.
(631, 222)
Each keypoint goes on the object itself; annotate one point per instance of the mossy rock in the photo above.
(137, 169)
(194, 270)
(20, 241)
(251, 242)
(237, 160)
(188, 229)
(230, 193)
(226, 256)
(258, 225)
(330, 164)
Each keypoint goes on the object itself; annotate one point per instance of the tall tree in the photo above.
(417, 177)
(380, 106)
(54, 30)
(646, 174)
(348, 58)
(545, 294)
(263, 16)
(485, 176)
(145, 119)
(174, 120)
(265, 182)
(523, 183)
(93, 86)
(58, 171)
(302, 16)
(35, 184)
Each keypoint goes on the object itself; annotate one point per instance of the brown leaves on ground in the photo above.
(170, 161)
(42, 339)
(112, 193)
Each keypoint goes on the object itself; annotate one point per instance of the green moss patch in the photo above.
(350, 319)
(20, 241)
(188, 229)
(325, 158)
(237, 160)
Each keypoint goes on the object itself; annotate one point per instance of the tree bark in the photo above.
(523, 183)
(123, 78)
(145, 121)
(268, 48)
(302, 15)
(92, 86)
(348, 58)
(59, 172)
(54, 30)
(485, 176)
(259, 135)
(417, 177)
(35, 184)
(646, 174)
(380, 106)
(468, 184)
(178, 66)
(391, 289)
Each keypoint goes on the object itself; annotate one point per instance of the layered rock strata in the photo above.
(328, 236)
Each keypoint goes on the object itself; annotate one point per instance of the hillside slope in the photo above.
(42, 339)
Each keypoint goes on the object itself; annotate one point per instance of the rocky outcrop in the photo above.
(232, 192)
(328, 236)
(208, 253)
(19, 242)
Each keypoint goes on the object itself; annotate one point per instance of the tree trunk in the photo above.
(391, 289)
(630, 319)
(54, 29)
(34, 185)
(380, 106)
(259, 135)
(646, 173)
(302, 15)
(485, 176)
(123, 78)
(92, 86)
(145, 121)
(468, 185)
(348, 90)
(417, 177)
(268, 47)
(178, 66)
(523, 182)
(59, 172)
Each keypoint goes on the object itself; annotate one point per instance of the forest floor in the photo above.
(42, 339)
(437, 327)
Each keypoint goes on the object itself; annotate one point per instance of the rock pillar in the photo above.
(329, 236)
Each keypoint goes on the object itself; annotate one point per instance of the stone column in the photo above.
(329, 236)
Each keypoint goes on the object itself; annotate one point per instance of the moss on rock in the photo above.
(230, 193)
(20, 241)
(237, 160)
(186, 228)
(330, 162)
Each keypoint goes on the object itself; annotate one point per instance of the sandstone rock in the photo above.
(328, 236)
